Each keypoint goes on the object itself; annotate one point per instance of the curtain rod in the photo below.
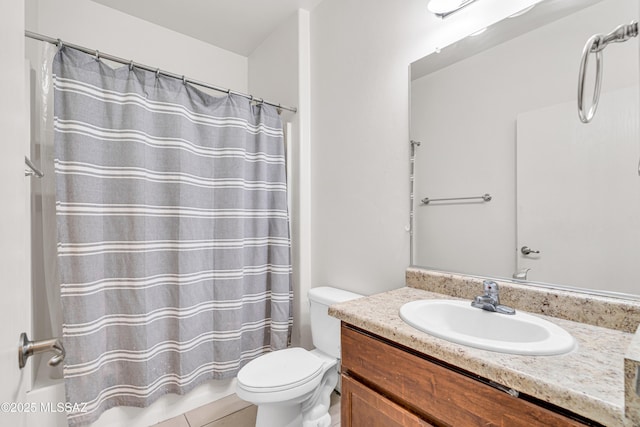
(113, 58)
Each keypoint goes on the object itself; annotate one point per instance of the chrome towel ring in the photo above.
(593, 41)
(596, 45)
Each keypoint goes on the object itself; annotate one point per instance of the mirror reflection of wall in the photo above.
(481, 116)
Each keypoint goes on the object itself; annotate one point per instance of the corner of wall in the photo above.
(279, 71)
(304, 173)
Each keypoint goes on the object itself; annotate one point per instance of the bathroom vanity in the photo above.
(395, 375)
(384, 384)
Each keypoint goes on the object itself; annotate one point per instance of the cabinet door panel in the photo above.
(436, 392)
(362, 407)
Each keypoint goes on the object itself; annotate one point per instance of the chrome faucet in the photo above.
(490, 300)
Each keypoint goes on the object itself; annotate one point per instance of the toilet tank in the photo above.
(325, 329)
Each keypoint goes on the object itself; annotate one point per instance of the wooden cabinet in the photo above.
(366, 408)
(385, 385)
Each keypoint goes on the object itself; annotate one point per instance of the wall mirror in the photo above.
(496, 114)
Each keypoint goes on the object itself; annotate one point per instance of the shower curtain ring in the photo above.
(157, 72)
(97, 55)
(184, 80)
(131, 65)
(60, 44)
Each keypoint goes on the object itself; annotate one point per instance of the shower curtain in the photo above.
(173, 234)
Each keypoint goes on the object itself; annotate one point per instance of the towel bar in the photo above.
(484, 197)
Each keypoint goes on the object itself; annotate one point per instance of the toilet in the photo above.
(292, 387)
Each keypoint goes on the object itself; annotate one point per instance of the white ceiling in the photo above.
(235, 25)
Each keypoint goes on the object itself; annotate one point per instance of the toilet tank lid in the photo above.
(328, 295)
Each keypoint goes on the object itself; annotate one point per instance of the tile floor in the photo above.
(233, 412)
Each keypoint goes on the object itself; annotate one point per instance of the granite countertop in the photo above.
(589, 380)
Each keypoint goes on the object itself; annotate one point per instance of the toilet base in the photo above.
(275, 415)
(312, 412)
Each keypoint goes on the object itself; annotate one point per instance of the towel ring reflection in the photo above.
(596, 45)
(591, 46)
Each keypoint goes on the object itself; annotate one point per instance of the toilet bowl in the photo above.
(292, 387)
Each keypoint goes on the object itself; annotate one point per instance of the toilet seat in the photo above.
(280, 370)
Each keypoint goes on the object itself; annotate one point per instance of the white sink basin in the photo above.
(458, 322)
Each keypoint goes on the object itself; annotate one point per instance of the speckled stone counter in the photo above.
(589, 380)
(597, 310)
(632, 381)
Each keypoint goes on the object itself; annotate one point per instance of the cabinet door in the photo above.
(363, 407)
(437, 392)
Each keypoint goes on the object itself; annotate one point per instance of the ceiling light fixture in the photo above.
(444, 8)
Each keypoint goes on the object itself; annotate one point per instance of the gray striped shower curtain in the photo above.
(173, 234)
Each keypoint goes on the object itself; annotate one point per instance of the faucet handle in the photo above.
(490, 301)
(490, 287)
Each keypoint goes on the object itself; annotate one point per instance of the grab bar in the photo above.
(33, 170)
(596, 45)
(485, 197)
(29, 348)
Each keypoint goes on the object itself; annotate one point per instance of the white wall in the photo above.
(279, 71)
(99, 27)
(360, 52)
